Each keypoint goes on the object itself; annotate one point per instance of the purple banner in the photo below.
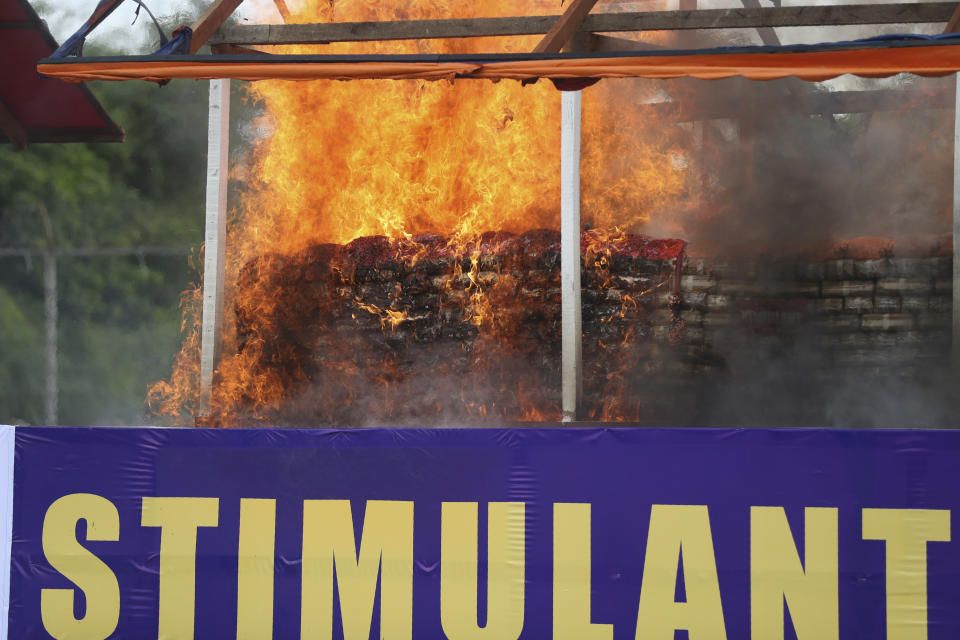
(606, 534)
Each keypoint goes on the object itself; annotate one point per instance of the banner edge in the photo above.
(7, 443)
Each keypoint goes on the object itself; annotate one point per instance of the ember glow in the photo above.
(400, 160)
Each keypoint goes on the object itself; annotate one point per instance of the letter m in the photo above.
(386, 552)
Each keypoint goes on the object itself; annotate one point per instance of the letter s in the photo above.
(77, 564)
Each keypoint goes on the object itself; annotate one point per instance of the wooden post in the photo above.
(218, 147)
(748, 139)
(571, 324)
(956, 233)
(607, 22)
(951, 27)
(51, 385)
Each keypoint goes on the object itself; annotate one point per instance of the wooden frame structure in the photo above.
(755, 17)
(576, 29)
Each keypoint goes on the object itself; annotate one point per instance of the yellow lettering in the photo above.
(255, 555)
(505, 570)
(680, 531)
(386, 547)
(178, 519)
(66, 555)
(906, 532)
(810, 589)
(572, 574)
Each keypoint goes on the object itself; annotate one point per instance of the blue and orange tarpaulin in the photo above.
(876, 58)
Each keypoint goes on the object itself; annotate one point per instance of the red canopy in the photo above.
(37, 109)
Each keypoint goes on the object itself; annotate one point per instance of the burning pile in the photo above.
(401, 331)
(364, 283)
(338, 162)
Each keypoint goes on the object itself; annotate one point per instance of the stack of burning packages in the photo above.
(444, 330)
(398, 331)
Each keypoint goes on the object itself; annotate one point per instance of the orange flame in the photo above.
(343, 160)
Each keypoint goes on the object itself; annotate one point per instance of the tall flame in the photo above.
(342, 160)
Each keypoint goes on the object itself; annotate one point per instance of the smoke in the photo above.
(781, 182)
(795, 382)
(778, 179)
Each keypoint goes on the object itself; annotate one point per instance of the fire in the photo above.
(401, 159)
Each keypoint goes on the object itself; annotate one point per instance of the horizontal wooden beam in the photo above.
(740, 18)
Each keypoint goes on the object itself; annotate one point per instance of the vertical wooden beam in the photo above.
(51, 393)
(688, 40)
(218, 147)
(955, 303)
(956, 234)
(571, 323)
(565, 27)
(571, 336)
(748, 139)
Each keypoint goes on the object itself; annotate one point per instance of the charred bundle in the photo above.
(428, 328)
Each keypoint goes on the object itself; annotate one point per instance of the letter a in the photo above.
(680, 531)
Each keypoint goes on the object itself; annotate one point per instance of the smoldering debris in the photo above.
(436, 330)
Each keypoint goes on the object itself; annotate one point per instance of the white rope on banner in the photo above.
(6, 522)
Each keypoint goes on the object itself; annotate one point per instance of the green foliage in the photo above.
(119, 316)
(21, 365)
(119, 319)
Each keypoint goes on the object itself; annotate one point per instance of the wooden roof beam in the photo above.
(833, 15)
(561, 32)
(767, 35)
(211, 20)
(954, 21)
(283, 9)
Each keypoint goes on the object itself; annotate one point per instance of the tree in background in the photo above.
(119, 321)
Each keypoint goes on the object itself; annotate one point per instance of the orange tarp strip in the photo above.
(933, 60)
(813, 66)
(157, 71)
